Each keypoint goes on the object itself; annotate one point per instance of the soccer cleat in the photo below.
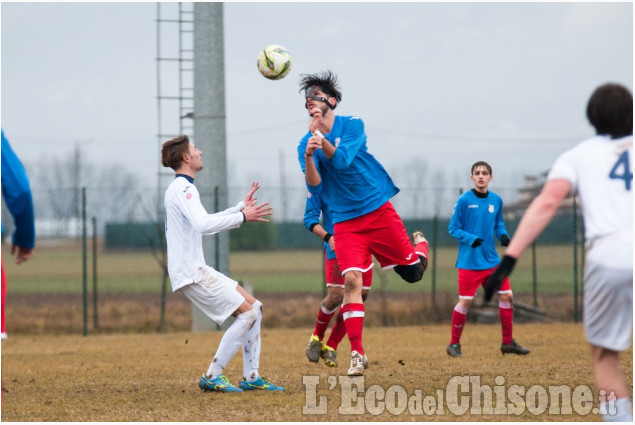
(454, 350)
(514, 348)
(313, 349)
(329, 355)
(417, 237)
(365, 361)
(357, 365)
(220, 384)
(260, 384)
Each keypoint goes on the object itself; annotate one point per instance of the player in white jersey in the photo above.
(213, 293)
(599, 170)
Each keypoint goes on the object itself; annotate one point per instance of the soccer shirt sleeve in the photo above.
(312, 210)
(352, 140)
(208, 224)
(17, 195)
(563, 168)
(499, 226)
(456, 226)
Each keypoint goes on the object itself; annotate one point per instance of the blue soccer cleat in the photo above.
(220, 384)
(260, 384)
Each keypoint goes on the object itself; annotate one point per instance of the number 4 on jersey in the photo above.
(622, 170)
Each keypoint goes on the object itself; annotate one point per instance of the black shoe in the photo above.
(514, 348)
(454, 350)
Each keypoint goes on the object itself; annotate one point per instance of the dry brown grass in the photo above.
(153, 377)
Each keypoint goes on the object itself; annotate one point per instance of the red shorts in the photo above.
(334, 276)
(470, 280)
(380, 233)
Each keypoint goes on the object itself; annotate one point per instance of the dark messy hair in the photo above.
(327, 81)
(173, 150)
(479, 164)
(610, 110)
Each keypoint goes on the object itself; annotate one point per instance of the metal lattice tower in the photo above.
(174, 101)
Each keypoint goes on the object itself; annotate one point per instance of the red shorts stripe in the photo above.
(380, 233)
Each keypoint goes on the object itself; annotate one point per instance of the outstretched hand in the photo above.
(255, 212)
(250, 195)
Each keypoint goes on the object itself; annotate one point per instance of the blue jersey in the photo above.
(17, 195)
(353, 183)
(477, 216)
(314, 207)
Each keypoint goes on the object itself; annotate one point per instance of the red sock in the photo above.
(506, 313)
(338, 332)
(459, 315)
(323, 320)
(353, 315)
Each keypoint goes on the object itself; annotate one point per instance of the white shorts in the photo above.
(216, 295)
(608, 306)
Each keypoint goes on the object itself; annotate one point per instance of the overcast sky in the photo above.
(445, 84)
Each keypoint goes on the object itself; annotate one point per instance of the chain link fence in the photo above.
(121, 275)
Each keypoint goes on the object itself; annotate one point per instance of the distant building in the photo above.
(526, 194)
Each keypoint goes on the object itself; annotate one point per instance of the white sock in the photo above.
(230, 342)
(251, 347)
(622, 413)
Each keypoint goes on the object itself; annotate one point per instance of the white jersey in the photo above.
(600, 172)
(186, 221)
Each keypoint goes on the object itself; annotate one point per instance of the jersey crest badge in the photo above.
(491, 208)
(337, 142)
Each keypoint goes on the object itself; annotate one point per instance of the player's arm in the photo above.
(353, 139)
(499, 226)
(456, 226)
(312, 214)
(311, 173)
(18, 198)
(534, 221)
(538, 215)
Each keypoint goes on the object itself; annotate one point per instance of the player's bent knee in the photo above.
(424, 262)
(364, 294)
(411, 273)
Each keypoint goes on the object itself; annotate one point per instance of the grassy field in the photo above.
(126, 371)
(153, 377)
(45, 297)
(57, 268)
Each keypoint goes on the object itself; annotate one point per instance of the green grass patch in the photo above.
(58, 269)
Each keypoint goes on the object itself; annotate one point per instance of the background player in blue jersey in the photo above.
(600, 171)
(17, 196)
(357, 189)
(335, 285)
(477, 217)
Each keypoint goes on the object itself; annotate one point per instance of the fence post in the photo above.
(95, 318)
(323, 252)
(534, 273)
(384, 303)
(575, 259)
(435, 230)
(84, 266)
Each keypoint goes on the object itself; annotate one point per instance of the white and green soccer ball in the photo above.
(274, 62)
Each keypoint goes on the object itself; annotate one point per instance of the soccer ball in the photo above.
(274, 62)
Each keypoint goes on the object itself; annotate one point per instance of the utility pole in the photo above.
(210, 133)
